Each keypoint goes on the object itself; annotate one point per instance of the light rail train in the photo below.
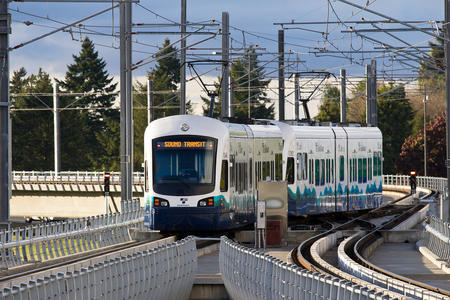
(201, 174)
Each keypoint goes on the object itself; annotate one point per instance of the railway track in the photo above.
(356, 247)
(20, 274)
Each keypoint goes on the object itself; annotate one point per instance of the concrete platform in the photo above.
(405, 260)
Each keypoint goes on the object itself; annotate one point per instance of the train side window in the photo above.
(364, 170)
(146, 176)
(375, 165)
(299, 166)
(224, 176)
(332, 170)
(317, 171)
(369, 168)
(290, 170)
(311, 171)
(350, 175)
(278, 166)
(328, 171)
(251, 173)
(341, 168)
(322, 175)
(360, 175)
(305, 166)
(355, 170)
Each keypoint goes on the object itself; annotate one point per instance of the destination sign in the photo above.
(208, 145)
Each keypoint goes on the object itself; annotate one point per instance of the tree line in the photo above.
(401, 117)
(90, 118)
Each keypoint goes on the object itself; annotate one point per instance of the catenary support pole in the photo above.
(56, 128)
(368, 95)
(231, 97)
(129, 101)
(425, 99)
(297, 96)
(281, 75)
(123, 106)
(374, 109)
(447, 94)
(5, 147)
(150, 102)
(183, 60)
(225, 111)
(343, 98)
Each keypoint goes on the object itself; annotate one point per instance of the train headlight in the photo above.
(208, 202)
(160, 202)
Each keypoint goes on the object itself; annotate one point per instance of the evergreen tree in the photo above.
(260, 107)
(84, 133)
(432, 68)
(32, 138)
(165, 76)
(330, 109)
(394, 120)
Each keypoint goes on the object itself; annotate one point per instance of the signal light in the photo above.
(413, 181)
(106, 178)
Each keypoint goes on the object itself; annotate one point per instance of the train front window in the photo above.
(184, 165)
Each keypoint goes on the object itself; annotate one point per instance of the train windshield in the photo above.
(184, 165)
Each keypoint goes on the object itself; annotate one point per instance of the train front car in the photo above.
(183, 159)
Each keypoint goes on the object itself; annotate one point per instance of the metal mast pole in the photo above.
(232, 97)
(374, 110)
(56, 132)
(150, 110)
(297, 96)
(123, 106)
(343, 97)
(248, 85)
(425, 98)
(183, 60)
(225, 109)
(447, 94)
(5, 147)
(368, 95)
(281, 75)
(129, 102)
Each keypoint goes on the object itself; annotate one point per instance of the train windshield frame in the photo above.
(184, 165)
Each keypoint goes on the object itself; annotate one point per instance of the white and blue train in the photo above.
(201, 174)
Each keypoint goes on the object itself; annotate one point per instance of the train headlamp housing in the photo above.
(207, 202)
(158, 202)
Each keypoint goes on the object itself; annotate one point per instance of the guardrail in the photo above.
(69, 177)
(438, 238)
(250, 274)
(43, 242)
(433, 183)
(165, 272)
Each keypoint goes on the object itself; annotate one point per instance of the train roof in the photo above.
(186, 125)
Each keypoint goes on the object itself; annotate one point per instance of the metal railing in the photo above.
(165, 272)
(438, 238)
(434, 183)
(250, 274)
(43, 242)
(69, 177)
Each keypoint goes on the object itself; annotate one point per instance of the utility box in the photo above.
(274, 194)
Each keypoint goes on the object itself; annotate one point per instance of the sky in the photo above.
(252, 24)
